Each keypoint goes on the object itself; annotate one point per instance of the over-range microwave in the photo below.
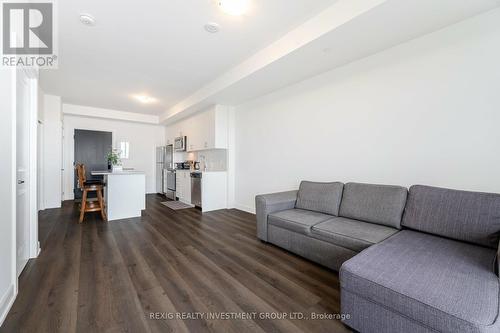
(180, 143)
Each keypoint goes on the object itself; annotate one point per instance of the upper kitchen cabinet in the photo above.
(173, 131)
(204, 130)
(208, 130)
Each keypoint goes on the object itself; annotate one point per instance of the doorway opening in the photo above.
(91, 149)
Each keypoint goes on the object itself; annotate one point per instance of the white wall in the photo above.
(52, 151)
(425, 112)
(40, 152)
(7, 190)
(143, 138)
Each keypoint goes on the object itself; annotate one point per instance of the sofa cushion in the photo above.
(468, 216)
(443, 284)
(381, 204)
(320, 197)
(351, 234)
(298, 220)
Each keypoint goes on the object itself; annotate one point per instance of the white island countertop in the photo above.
(124, 193)
(123, 172)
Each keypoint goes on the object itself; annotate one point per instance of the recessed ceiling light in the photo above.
(145, 99)
(87, 19)
(234, 7)
(212, 27)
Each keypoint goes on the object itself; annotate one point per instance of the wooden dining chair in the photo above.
(86, 187)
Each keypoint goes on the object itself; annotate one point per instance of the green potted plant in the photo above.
(114, 160)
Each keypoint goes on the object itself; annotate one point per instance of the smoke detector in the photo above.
(212, 27)
(87, 19)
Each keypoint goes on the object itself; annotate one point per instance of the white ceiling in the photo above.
(347, 31)
(159, 47)
(390, 24)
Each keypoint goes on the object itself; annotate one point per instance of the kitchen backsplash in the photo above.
(215, 159)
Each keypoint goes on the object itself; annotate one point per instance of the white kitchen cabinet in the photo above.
(207, 130)
(204, 130)
(174, 131)
(214, 191)
(183, 185)
(178, 188)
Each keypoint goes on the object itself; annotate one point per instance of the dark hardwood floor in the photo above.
(113, 276)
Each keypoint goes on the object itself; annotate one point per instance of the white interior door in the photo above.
(23, 109)
(40, 199)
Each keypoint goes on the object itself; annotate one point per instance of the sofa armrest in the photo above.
(497, 265)
(266, 204)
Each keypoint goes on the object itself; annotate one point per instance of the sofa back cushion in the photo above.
(467, 216)
(320, 197)
(380, 204)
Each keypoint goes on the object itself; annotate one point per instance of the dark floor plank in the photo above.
(111, 304)
(48, 290)
(111, 277)
(149, 289)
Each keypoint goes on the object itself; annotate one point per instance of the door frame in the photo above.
(73, 162)
(33, 247)
(14, 186)
(32, 74)
(40, 164)
(68, 157)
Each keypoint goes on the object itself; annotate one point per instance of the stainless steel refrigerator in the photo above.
(165, 171)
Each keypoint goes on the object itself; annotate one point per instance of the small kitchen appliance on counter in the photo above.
(183, 165)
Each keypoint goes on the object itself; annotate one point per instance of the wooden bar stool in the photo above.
(86, 187)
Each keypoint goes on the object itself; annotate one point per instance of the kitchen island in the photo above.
(208, 191)
(124, 193)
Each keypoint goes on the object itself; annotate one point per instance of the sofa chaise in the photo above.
(423, 260)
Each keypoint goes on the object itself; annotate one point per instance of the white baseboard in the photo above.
(6, 302)
(244, 208)
(68, 196)
(53, 206)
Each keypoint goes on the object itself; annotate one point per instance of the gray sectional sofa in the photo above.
(423, 260)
